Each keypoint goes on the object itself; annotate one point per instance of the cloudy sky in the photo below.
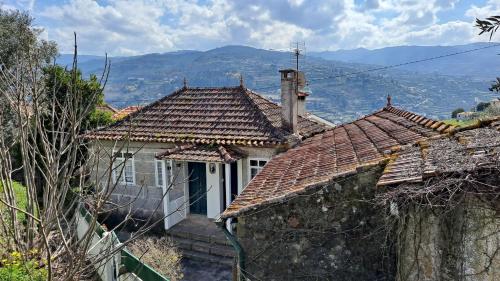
(131, 27)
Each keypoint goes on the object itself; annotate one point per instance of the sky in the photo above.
(134, 27)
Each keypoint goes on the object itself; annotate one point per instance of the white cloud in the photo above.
(142, 26)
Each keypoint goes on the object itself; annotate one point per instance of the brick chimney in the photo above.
(289, 99)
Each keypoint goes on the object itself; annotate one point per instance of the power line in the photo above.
(410, 62)
(398, 65)
(351, 73)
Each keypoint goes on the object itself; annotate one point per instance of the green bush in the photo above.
(456, 111)
(13, 267)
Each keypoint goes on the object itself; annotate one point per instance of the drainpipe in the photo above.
(221, 223)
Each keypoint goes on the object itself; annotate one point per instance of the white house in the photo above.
(463, 116)
(195, 150)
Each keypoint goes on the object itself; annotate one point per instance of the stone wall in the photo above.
(458, 244)
(144, 198)
(334, 232)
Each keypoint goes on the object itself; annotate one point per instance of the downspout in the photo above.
(221, 223)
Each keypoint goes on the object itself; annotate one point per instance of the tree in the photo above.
(482, 106)
(47, 108)
(19, 40)
(19, 43)
(490, 25)
(58, 80)
(456, 111)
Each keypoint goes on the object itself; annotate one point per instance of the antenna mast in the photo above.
(297, 49)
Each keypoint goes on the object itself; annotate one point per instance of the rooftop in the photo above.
(124, 112)
(319, 159)
(467, 150)
(207, 153)
(232, 115)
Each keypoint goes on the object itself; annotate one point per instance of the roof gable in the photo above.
(208, 115)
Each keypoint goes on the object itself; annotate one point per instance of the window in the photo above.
(256, 165)
(160, 172)
(124, 168)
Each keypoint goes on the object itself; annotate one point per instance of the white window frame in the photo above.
(250, 166)
(116, 169)
(163, 175)
(169, 172)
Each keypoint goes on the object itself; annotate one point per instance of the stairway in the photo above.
(198, 238)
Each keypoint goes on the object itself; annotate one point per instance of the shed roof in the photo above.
(205, 153)
(468, 150)
(334, 153)
(232, 115)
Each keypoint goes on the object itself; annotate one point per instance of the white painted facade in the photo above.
(161, 187)
(463, 116)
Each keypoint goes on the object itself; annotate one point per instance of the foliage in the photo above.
(491, 111)
(482, 106)
(99, 118)
(19, 43)
(456, 111)
(19, 39)
(161, 254)
(15, 267)
(58, 82)
(460, 123)
(490, 25)
(52, 107)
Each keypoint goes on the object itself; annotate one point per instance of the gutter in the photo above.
(221, 223)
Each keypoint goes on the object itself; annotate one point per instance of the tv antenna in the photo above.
(298, 50)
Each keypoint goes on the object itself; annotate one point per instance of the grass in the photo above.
(459, 123)
(21, 198)
(15, 265)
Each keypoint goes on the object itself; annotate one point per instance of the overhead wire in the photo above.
(347, 74)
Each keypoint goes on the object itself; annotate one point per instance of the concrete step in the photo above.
(199, 256)
(204, 247)
(213, 239)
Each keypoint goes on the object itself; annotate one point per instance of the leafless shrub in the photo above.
(159, 253)
(60, 173)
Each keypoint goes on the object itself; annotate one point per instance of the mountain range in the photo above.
(344, 84)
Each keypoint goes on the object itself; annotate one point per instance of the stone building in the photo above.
(445, 197)
(193, 151)
(327, 210)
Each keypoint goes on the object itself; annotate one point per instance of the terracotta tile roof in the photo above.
(337, 152)
(467, 150)
(124, 112)
(206, 153)
(107, 107)
(406, 166)
(206, 116)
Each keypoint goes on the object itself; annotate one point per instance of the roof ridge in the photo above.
(188, 115)
(213, 88)
(422, 120)
(246, 91)
(133, 114)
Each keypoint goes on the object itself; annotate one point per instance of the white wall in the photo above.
(214, 191)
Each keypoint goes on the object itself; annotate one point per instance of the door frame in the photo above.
(188, 188)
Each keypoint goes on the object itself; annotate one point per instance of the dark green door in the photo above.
(197, 188)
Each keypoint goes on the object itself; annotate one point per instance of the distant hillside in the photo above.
(482, 64)
(336, 96)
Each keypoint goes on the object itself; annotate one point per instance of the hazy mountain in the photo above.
(483, 63)
(336, 94)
